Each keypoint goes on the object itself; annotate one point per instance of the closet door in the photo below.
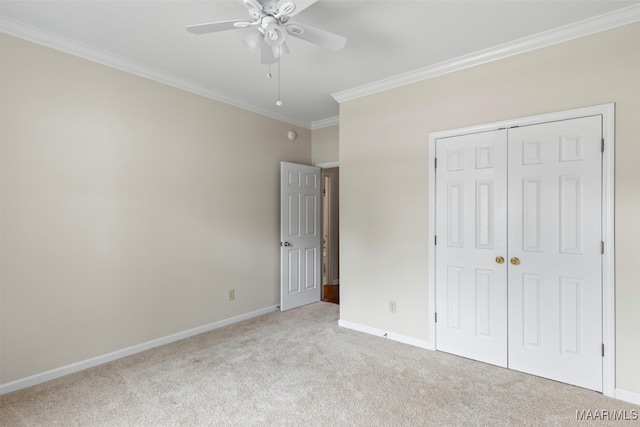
(555, 285)
(471, 275)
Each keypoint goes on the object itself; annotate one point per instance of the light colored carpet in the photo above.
(298, 368)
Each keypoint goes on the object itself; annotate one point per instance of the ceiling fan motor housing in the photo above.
(270, 7)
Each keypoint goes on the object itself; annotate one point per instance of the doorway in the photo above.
(330, 235)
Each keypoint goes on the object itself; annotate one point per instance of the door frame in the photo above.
(332, 267)
(607, 111)
(327, 267)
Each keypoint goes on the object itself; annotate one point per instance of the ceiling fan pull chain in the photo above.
(279, 101)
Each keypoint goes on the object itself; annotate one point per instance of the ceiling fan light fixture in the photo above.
(279, 51)
(266, 54)
(274, 35)
(253, 40)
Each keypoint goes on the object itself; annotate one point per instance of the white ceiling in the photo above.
(385, 39)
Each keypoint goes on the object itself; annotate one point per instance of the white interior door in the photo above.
(555, 291)
(300, 235)
(471, 232)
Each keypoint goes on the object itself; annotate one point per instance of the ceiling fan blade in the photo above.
(213, 27)
(315, 35)
(254, 6)
(286, 9)
(301, 5)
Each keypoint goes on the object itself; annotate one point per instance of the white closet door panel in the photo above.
(555, 292)
(471, 228)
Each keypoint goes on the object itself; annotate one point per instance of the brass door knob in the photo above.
(515, 261)
(499, 260)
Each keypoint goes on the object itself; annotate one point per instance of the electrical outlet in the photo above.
(232, 294)
(392, 306)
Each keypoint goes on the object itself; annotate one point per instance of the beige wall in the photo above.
(324, 147)
(384, 180)
(128, 209)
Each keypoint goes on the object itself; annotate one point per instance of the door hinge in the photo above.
(435, 163)
(602, 247)
(436, 317)
(603, 350)
(602, 145)
(435, 240)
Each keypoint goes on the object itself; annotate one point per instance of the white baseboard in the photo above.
(620, 394)
(627, 396)
(99, 360)
(389, 335)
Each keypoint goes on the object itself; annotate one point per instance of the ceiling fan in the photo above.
(271, 23)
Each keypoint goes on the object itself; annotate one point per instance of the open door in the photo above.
(300, 235)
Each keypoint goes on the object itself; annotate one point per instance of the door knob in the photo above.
(515, 261)
(499, 260)
(287, 244)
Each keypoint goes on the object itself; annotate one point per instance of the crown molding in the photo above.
(325, 123)
(72, 47)
(579, 29)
